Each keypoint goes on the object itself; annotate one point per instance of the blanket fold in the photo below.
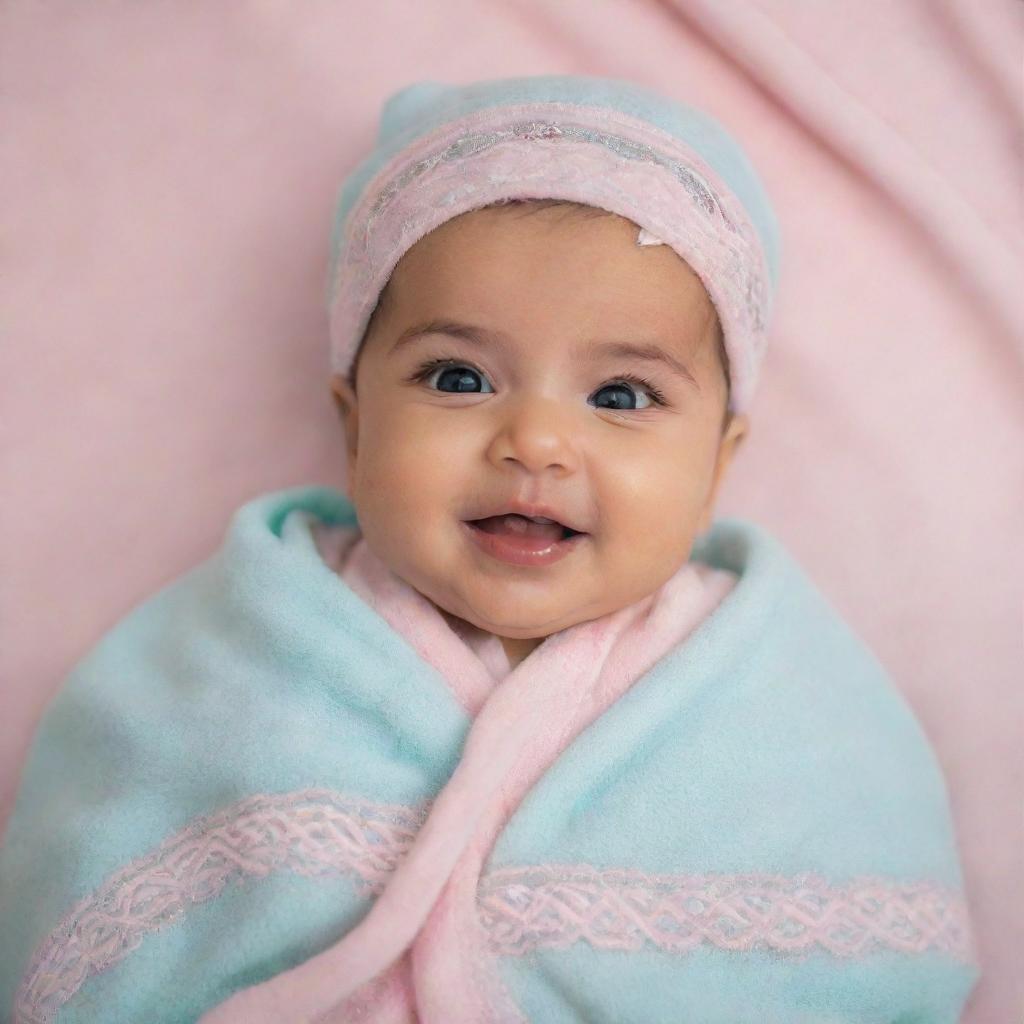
(283, 789)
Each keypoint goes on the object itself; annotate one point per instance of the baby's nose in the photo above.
(540, 433)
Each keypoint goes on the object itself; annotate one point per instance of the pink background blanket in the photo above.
(169, 172)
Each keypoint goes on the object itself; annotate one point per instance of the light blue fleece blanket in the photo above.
(757, 831)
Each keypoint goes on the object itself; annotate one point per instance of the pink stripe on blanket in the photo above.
(555, 906)
(312, 832)
(323, 833)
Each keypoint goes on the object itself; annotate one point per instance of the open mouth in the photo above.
(519, 541)
(513, 525)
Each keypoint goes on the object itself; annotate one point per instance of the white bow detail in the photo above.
(646, 238)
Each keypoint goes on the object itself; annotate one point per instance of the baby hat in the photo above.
(443, 150)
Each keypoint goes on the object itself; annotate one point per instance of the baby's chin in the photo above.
(531, 625)
(513, 608)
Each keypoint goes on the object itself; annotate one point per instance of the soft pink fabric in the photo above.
(422, 940)
(169, 172)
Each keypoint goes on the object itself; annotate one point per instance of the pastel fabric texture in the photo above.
(443, 150)
(284, 789)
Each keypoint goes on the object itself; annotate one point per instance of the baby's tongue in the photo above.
(520, 525)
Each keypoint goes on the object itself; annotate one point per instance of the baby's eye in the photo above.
(624, 387)
(452, 377)
(457, 375)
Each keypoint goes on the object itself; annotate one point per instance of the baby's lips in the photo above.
(530, 511)
(516, 525)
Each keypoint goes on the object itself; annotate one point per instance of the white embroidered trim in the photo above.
(320, 832)
(312, 832)
(558, 905)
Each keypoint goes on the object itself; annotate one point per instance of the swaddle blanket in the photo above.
(277, 793)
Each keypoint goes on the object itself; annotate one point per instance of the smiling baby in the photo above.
(532, 358)
(516, 729)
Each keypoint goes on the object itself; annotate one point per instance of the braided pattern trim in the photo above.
(555, 906)
(314, 832)
(320, 832)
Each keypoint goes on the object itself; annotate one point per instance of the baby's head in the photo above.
(534, 350)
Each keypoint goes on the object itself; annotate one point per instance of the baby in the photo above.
(515, 731)
(608, 413)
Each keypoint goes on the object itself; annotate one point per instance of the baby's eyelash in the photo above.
(426, 368)
(632, 378)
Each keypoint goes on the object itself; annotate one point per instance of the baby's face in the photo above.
(534, 415)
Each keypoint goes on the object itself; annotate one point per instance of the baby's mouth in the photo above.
(517, 525)
(519, 541)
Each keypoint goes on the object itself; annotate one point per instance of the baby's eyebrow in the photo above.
(645, 351)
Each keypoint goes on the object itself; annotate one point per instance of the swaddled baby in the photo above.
(514, 731)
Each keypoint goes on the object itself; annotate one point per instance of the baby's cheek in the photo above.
(664, 529)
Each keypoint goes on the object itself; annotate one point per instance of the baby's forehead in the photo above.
(591, 265)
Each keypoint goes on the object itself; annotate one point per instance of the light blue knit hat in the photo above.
(443, 150)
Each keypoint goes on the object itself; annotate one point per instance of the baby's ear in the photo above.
(737, 429)
(348, 409)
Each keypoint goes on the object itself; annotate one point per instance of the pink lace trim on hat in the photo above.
(591, 155)
(318, 832)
